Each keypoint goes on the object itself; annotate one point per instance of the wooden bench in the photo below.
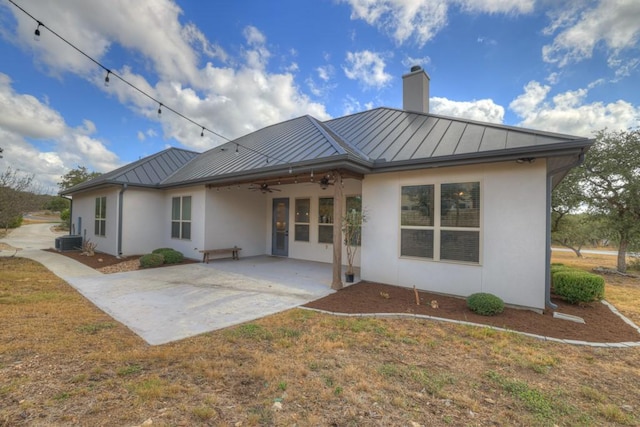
(233, 251)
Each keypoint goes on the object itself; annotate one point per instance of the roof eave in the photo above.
(549, 150)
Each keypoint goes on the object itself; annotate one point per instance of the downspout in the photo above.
(550, 175)
(120, 202)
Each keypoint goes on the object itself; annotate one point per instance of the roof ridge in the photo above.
(339, 143)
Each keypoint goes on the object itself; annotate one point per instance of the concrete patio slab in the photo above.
(171, 303)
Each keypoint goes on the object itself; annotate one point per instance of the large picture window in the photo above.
(325, 220)
(448, 230)
(100, 228)
(181, 217)
(303, 209)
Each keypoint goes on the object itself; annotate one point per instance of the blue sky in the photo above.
(236, 66)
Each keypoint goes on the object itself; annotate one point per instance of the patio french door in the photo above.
(280, 227)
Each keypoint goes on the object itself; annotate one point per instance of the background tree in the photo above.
(17, 196)
(76, 176)
(609, 180)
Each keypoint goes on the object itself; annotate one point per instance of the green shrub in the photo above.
(151, 260)
(171, 256)
(485, 304)
(577, 286)
(65, 215)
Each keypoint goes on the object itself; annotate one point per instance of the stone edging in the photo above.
(628, 344)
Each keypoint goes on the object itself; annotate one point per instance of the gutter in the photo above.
(120, 209)
(547, 268)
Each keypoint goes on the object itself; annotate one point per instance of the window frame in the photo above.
(183, 224)
(100, 217)
(322, 225)
(302, 224)
(437, 228)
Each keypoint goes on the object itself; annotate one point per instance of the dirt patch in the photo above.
(601, 324)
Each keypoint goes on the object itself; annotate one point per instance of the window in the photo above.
(417, 221)
(303, 208)
(101, 216)
(460, 222)
(325, 220)
(181, 217)
(450, 234)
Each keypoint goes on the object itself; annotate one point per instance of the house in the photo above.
(453, 205)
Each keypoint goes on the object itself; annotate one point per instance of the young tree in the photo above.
(76, 176)
(610, 183)
(16, 196)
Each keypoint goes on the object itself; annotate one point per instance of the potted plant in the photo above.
(352, 231)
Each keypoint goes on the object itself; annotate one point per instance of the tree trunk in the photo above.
(622, 255)
(337, 231)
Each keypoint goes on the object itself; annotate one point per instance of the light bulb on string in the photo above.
(202, 133)
(237, 152)
(160, 110)
(106, 78)
(36, 33)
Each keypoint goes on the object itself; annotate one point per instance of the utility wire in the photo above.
(161, 105)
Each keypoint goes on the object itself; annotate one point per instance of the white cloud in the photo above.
(423, 19)
(367, 67)
(27, 125)
(326, 72)
(612, 24)
(141, 136)
(351, 105)
(570, 112)
(482, 110)
(231, 96)
(410, 61)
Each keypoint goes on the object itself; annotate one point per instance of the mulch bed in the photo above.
(602, 325)
(100, 260)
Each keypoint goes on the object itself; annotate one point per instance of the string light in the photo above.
(36, 33)
(36, 36)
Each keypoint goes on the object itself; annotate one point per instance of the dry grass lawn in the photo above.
(64, 362)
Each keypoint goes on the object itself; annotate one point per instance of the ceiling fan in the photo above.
(325, 182)
(264, 188)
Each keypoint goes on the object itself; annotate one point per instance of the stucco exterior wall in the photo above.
(83, 218)
(144, 227)
(512, 233)
(235, 218)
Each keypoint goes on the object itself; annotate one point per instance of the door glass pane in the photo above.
(460, 205)
(417, 205)
(281, 217)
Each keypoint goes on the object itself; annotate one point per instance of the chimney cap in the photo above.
(416, 68)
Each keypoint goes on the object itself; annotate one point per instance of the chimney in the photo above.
(415, 90)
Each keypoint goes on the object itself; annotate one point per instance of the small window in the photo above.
(181, 217)
(301, 227)
(417, 221)
(101, 216)
(325, 220)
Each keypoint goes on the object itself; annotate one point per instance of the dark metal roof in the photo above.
(294, 142)
(149, 171)
(400, 136)
(371, 141)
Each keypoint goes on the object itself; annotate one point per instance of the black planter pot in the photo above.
(348, 278)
